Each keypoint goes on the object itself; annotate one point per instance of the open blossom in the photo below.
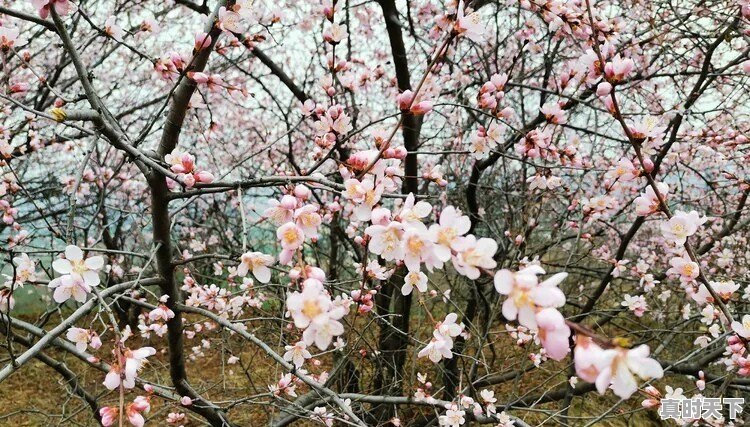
(125, 370)
(648, 203)
(625, 170)
(437, 349)
(133, 412)
(479, 146)
(285, 384)
(448, 328)
(290, 236)
(62, 7)
(681, 226)
(70, 286)
(414, 279)
(258, 263)
(229, 20)
(74, 263)
(618, 68)
(335, 33)
(213, 82)
(474, 255)
(161, 313)
(83, 338)
(616, 368)
(685, 268)
(454, 417)
(417, 248)
(649, 127)
(112, 29)
(636, 304)
(281, 212)
(385, 240)
(412, 212)
(526, 294)
(447, 233)
(313, 310)
(742, 328)
(377, 271)
(365, 196)
(619, 369)
(585, 357)
(469, 26)
(297, 353)
(25, 269)
(724, 290)
(553, 113)
(308, 219)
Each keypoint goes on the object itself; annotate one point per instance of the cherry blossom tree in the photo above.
(374, 213)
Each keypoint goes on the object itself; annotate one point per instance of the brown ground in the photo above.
(36, 395)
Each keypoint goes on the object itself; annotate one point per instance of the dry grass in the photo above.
(37, 396)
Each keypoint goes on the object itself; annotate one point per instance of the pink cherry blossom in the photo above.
(474, 255)
(685, 268)
(681, 226)
(62, 7)
(437, 349)
(414, 279)
(386, 240)
(83, 338)
(469, 26)
(108, 415)
(112, 29)
(126, 369)
(335, 33)
(74, 263)
(229, 20)
(553, 113)
(281, 212)
(647, 203)
(297, 354)
(290, 236)
(553, 332)
(636, 304)
(742, 328)
(70, 286)
(618, 68)
(258, 263)
(526, 295)
(619, 369)
(134, 411)
(308, 220)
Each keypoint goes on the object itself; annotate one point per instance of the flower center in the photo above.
(311, 309)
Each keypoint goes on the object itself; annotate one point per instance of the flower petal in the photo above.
(73, 253)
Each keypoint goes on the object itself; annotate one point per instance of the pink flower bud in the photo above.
(202, 40)
(423, 107)
(404, 99)
(205, 177)
(603, 89)
(648, 164)
(19, 88)
(200, 78)
(302, 192)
